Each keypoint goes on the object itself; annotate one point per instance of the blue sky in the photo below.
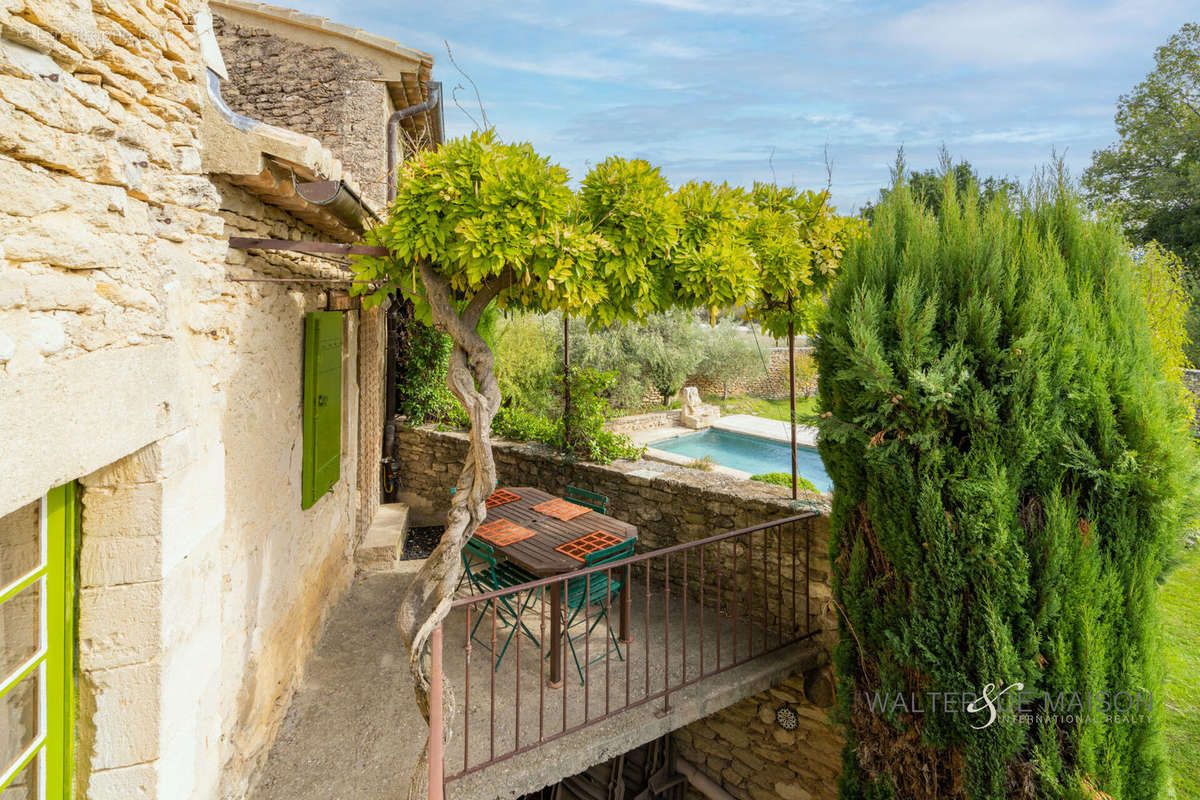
(709, 89)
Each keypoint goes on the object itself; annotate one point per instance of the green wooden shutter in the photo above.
(322, 404)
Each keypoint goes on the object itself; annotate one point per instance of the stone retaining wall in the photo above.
(644, 422)
(753, 757)
(750, 756)
(1191, 379)
(772, 384)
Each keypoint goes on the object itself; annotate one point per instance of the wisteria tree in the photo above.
(481, 223)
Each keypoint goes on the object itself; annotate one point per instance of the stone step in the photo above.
(382, 547)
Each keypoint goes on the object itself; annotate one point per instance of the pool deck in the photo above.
(745, 424)
(774, 429)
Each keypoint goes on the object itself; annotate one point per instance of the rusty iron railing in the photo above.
(705, 607)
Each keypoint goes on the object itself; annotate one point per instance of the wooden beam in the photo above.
(247, 243)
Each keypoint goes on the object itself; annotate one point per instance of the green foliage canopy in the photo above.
(798, 240)
(927, 185)
(1152, 175)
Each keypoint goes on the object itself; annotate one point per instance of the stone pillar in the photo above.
(149, 616)
(372, 345)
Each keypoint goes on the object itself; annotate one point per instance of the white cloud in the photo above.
(999, 33)
(578, 66)
(667, 48)
(742, 8)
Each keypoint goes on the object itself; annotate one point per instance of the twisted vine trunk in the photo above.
(472, 379)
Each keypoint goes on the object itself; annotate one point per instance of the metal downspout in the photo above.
(393, 129)
(389, 426)
(342, 201)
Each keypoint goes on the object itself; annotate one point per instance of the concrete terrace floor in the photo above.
(349, 732)
(353, 730)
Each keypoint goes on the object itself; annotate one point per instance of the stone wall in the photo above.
(746, 750)
(772, 384)
(132, 361)
(1191, 380)
(670, 506)
(332, 96)
(644, 422)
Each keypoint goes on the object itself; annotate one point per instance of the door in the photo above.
(37, 647)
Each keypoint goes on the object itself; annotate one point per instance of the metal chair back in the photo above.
(593, 500)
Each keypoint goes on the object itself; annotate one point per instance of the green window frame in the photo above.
(52, 664)
(322, 456)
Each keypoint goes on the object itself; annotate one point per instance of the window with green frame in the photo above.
(37, 647)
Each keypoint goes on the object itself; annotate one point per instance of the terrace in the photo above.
(710, 622)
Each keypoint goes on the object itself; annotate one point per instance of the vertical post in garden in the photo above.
(792, 390)
(566, 383)
(436, 734)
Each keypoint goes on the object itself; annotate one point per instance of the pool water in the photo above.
(749, 454)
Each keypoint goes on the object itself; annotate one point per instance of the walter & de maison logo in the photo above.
(994, 702)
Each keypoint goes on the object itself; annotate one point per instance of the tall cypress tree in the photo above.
(1011, 469)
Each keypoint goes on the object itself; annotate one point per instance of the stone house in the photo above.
(191, 428)
(190, 433)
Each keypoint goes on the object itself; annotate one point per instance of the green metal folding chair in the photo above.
(594, 501)
(486, 574)
(595, 589)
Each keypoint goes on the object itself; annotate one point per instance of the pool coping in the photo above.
(773, 430)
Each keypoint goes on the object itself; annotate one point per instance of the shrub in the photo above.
(1011, 472)
(520, 425)
(421, 362)
(656, 355)
(589, 412)
(705, 463)
(1160, 282)
(785, 479)
(529, 361)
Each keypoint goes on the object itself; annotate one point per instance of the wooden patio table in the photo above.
(537, 555)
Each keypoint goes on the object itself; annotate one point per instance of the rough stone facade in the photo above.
(773, 384)
(135, 359)
(750, 757)
(341, 100)
(746, 750)
(275, 79)
(1191, 380)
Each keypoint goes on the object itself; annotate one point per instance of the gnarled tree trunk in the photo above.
(472, 379)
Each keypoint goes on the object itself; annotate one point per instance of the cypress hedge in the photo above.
(1012, 469)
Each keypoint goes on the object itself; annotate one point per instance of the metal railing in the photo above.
(684, 614)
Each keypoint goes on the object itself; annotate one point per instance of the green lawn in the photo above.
(742, 404)
(1181, 616)
(772, 409)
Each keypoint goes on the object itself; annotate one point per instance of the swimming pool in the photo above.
(749, 454)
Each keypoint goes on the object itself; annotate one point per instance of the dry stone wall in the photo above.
(332, 96)
(752, 756)
(773, 384)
